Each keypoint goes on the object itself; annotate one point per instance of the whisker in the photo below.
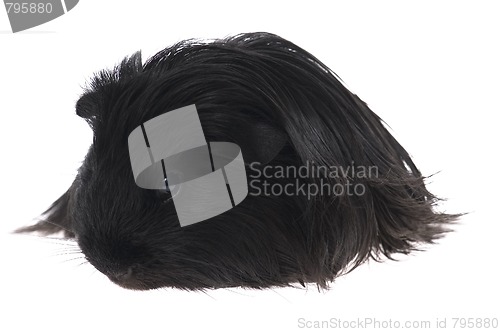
(61, 241)
(235, 292)
(67, 254)
(85, 262)
(284, 298)
(204, 291)
(72, 259)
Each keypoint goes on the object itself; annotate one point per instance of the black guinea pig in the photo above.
(329, 186)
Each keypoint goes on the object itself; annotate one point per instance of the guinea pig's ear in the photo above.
(57, 218)
(88, 106)
(261, 143)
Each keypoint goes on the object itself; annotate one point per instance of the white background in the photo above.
(429, 69)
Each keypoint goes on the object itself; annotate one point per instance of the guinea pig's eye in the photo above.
(164, 194)
(170, 190)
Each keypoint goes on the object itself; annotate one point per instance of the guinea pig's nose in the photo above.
(122, 275)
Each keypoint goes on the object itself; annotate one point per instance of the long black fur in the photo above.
(252, 89)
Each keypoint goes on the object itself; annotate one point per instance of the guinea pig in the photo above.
(328, 186)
